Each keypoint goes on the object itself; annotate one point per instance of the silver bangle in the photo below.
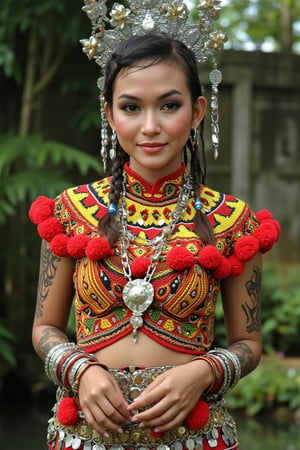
(236, 364)
(53, 358)
(231, 377)
(75, 369)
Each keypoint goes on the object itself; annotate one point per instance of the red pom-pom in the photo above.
(264, 214)
(139, 266)
(50, 228)
(209, 257)
(237, 266)
(41, 209)
(246, 247)
(98, 248)
(77, 244)
(58, 245)
(223, 270)
(267, 235)
(278, 228)
(67, 411)
(157, 434)
(180, 258)
(199, 416)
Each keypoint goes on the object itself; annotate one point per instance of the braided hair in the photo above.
(153, 49)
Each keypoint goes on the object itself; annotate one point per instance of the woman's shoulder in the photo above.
(85, 199)
(74, 212)
(227, 212)
(239, 231)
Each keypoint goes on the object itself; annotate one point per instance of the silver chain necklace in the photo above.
(138, 294)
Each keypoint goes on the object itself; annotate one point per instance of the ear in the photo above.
(109, 116)
(199, 110)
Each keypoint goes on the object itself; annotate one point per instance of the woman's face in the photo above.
(152, 114)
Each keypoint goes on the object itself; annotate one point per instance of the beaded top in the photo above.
(187, 278)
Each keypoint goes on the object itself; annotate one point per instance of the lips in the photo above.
(152, 147)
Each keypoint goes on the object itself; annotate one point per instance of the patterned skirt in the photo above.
(218, 433)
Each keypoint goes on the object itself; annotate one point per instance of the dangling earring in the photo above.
(104, 134)
(215, 77)
(194, 138)
(113, 149)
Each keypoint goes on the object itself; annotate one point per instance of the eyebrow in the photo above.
(165, 95)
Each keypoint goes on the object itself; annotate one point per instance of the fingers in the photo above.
(103, 417)
(102, 401)
(162, 416)
(168, 399)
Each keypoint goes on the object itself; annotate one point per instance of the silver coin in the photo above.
(76, 444)
(178, 445)
(215, 433)
(190, 444)
(68, 441)
(212, 443)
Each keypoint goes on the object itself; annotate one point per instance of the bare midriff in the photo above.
(144, 353)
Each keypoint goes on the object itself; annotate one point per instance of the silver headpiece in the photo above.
(171, 18)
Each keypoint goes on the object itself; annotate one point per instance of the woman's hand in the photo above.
(172, 396)
(102, 401)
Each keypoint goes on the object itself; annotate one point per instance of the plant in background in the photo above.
(270, 386)
(268, 25)
(7, 353)
(30, 166)
(281, 308)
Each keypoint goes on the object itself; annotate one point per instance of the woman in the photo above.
(144, 254)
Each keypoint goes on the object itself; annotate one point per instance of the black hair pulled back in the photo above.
(151, 49)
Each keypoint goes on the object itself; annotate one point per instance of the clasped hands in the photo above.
(164, 404)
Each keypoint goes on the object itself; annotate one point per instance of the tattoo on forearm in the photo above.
(245, 355)
(252, 308)
(50, 338)
(48, 267)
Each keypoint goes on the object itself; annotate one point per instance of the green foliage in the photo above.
(281, 307)
(63, 18)
(58, 26)
(258, 22)
(30, 166)
(270, 386)
(6, 348)
(271, 25)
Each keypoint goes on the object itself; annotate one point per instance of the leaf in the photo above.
(4, 332)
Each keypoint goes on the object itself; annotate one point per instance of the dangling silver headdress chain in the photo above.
(140, 17)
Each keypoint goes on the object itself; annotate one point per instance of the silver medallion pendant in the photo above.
(138, 296)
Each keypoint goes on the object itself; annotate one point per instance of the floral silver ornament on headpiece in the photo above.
(171, 18)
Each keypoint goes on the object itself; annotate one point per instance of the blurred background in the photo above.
(49, 140)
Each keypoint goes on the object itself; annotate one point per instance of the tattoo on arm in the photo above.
(48, 267)
(252, 308)
(245, 356)
(50, 338)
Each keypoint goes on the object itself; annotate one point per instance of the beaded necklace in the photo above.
(138, 294)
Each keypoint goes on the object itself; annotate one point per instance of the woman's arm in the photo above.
(242, 312)
(99, 394)
(54, 300)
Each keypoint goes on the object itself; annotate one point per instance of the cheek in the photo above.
(125, 128)
(180, 127)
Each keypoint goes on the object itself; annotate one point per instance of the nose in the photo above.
(150, 123)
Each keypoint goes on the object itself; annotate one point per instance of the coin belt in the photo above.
(132, 382)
